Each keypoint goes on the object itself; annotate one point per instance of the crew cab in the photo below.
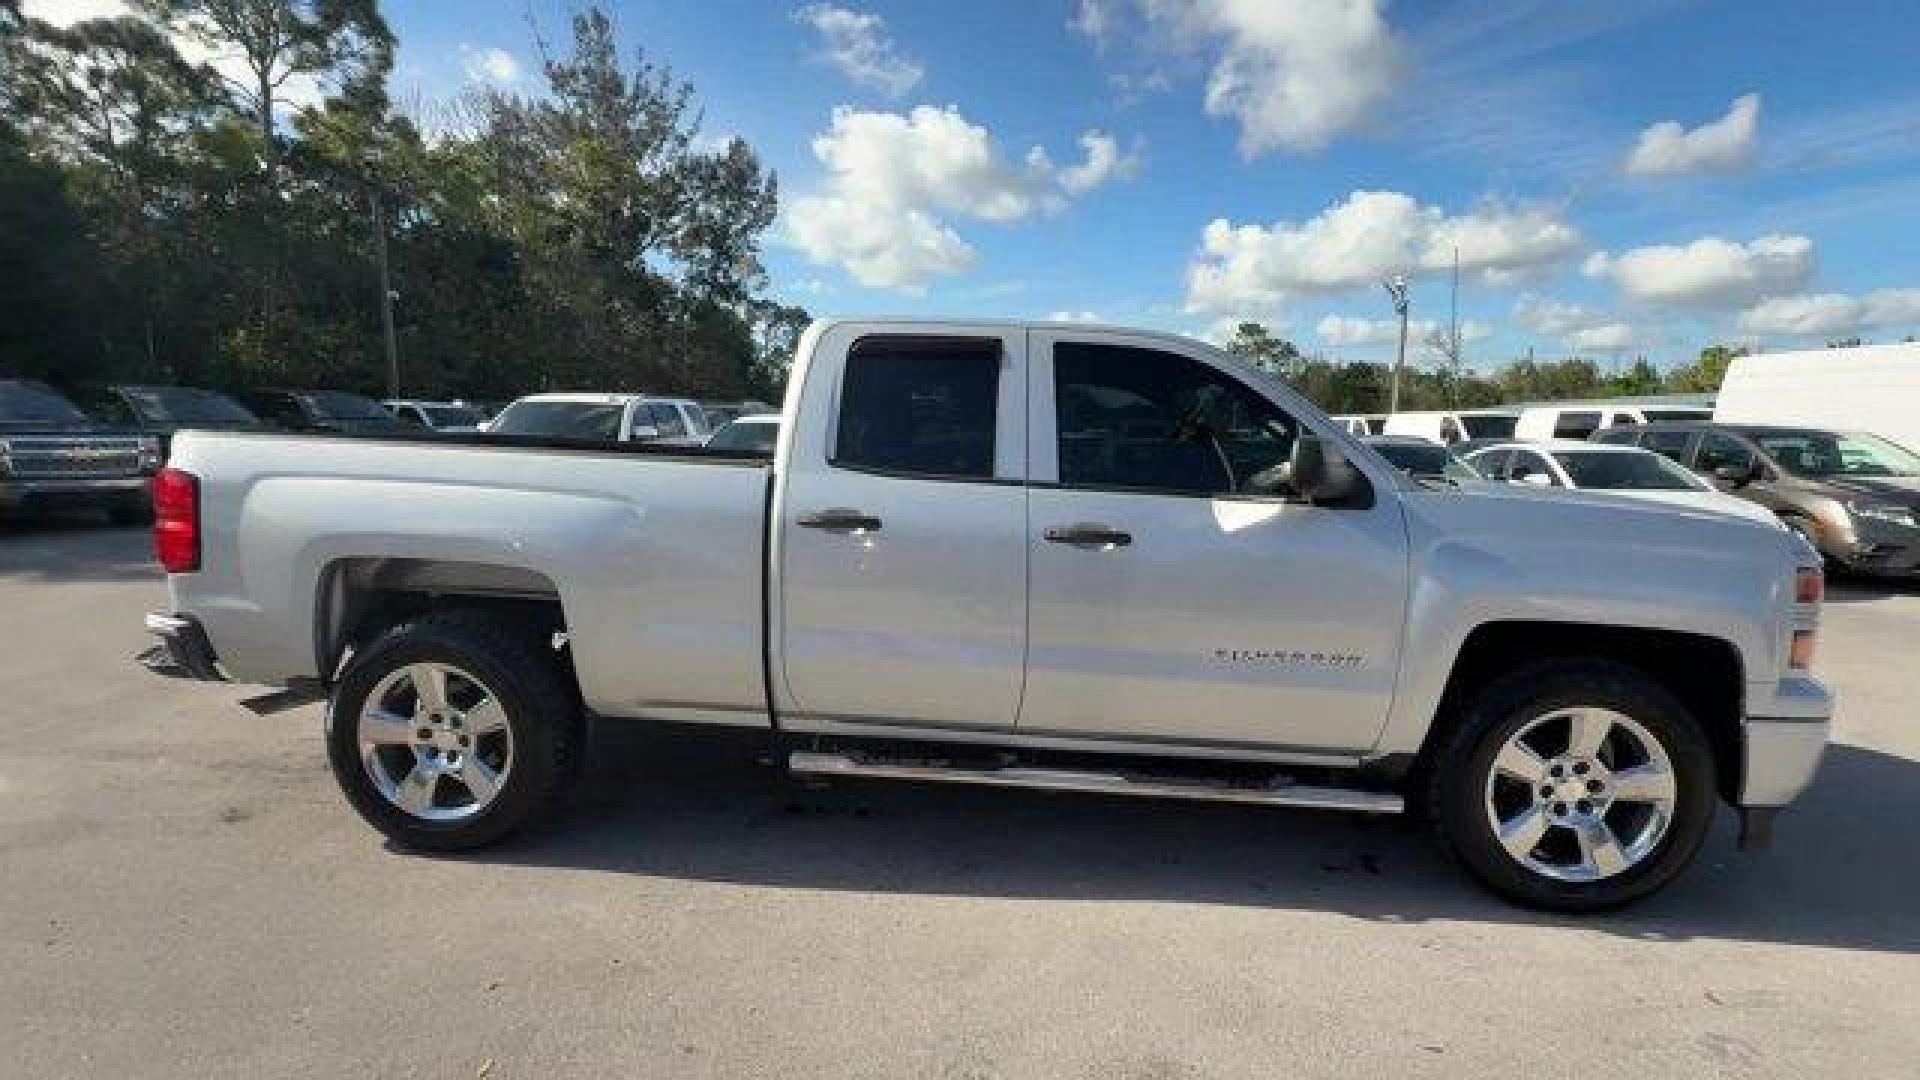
(1006, 554)
(53, 454)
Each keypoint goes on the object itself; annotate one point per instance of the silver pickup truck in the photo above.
(1023, 555)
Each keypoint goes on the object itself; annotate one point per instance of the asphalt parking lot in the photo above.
(182, 893)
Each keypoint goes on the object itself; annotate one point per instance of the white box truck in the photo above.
(1874, 388)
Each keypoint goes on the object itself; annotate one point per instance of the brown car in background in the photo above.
(1855, 496)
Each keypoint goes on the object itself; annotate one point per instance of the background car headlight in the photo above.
(1887, 512)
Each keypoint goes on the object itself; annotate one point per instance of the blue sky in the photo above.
(1620, 178)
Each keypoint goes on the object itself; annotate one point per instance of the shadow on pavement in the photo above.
(1860, 589)
(76, 546)
(700, 809)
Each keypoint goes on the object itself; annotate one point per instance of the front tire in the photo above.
(1574, 786)
(452, 730)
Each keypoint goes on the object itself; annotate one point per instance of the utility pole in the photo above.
(386, 295)
(1396, 287)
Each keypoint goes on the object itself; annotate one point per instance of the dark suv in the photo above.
(321, 410)
(1855, 496)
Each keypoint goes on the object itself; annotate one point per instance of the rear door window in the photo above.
(1669, 444)
(920, 406)
(666, 420)
(1719, 450)
(1575, 425)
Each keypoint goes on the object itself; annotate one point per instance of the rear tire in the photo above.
(452, 730)
(1574, 786)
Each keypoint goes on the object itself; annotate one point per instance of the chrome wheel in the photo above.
(435, 742)
(1581, 794)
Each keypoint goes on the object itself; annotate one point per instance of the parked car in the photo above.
(435, 415)
(1854, 496)
(747, 435)
(610, 417)
(1018, 555)
(162, 410)
(1543, 422)
(1423, 460)
(1448, 427)
(321, 411)
(52, 453)
(1624, 470)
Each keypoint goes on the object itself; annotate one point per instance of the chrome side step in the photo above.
(1284, 794)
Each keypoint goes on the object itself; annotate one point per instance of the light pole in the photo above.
(1396, 287)
(373, 161)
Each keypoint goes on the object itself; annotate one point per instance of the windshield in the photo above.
(365, 412)
(1425, 460)
(186, 406)
(1819, 453)
(1489, 427)
(445, 416)
(561, 419)
(1617, 470)
(1655, 416)
(35, 403)
(746, 438)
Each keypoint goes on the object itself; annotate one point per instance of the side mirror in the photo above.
(1321, 475)
(644, 433)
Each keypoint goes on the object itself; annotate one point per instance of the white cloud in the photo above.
(894, 179)
(1104, 162)
(856, 43)
(1710, 272)
(1667, 149)
(1355, 243)
(1577, 327)
(65, 13)
(496, 66)
(1293, 74)
(1074, 316)
(1833, 313)
(1356, 332)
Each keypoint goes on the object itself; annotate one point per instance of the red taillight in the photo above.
(176, 520)
(1809, 585)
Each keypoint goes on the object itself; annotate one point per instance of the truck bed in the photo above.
(611, 530)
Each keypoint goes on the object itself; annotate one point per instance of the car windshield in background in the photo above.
(1821, 453)
(1489, 427)
(1655, 416)
(1425, 461)
(561, 419)
(30, 403)
(362, 412)
(745, 438)
(1603, 470)
(185, 407)
(443, 416)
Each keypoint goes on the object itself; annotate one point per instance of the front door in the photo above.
(1171, 599)
(902, 536)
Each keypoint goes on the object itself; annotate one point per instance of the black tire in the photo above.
(515, 664)
(128, 510)
(1457, 784)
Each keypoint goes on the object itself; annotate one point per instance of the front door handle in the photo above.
(841, 519)
(1089, 537)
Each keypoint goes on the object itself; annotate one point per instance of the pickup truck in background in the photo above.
(1030, 555)
(53, 454)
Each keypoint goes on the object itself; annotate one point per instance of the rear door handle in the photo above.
(840, 519)
(1089, 537)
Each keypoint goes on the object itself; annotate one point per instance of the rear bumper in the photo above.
(17, 490)
(183, 651)
(1783, 741)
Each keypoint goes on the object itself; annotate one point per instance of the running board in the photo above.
(1281, 794)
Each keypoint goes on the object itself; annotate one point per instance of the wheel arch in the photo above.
(360, 598)
(1705, 673)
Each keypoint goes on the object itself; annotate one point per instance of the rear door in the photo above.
(1170, 601)
(902, 531)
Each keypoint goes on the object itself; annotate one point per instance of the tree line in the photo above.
(1360, 387)
(164, 221)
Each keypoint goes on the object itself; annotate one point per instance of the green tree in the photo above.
(1275, 355)
(1705, 374)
